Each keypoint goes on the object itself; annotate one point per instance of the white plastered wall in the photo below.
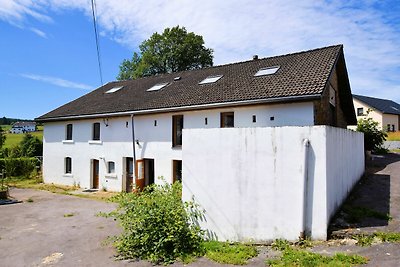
(251, 181)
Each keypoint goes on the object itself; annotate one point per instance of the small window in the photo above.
(227, 119)
(205, 121)
(68, 165)
(388, 127)
(266, 71)
(393, 128)
(111, 167)
(360, 111)
(113, 90)
(271, 118)
(155, 122)
(254, 118)
(68, 132)
(177, 126)
(177, 170)
(211, 79)
(157, 87)
(96, 131)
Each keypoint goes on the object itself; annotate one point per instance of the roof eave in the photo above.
(185, 108)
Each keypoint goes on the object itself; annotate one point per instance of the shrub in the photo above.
(373, 137)
(18, 166)
(157, 225)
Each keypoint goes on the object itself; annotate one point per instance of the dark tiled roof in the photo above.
(300, 74)
(24, 123)
(382, 105)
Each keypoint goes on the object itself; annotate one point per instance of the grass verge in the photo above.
(223, 252)
(292, 256)
(393, 136)
(37, 183)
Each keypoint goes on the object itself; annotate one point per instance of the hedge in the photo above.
(18, 166)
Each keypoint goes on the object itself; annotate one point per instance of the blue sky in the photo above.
(48, 53)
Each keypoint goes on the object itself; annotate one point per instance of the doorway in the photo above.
(129, 174)
(95, 174)
(144, 173)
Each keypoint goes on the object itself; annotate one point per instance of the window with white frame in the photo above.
(68, 165)
(111, 167)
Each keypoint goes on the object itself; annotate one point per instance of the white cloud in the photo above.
(56, 81)
(39, 32)
(237, 29)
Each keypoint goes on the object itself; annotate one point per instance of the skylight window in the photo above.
(394, 108)
(157, 87)
(267, 71)
(211, 79)
(113, 90)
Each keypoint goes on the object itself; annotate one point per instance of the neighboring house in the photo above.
(385, 112)
(23, 127)
(161, 123)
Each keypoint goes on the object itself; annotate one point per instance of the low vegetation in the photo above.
(157, 225)
(393, 136)
(223, 252)
(373, 136)
(367, 240)
(356, 214)
(293, 256)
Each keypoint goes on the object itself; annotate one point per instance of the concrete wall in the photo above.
(251, 181)
(154, 138)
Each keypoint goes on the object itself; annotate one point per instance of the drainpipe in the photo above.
(133, 146)
(305, 233)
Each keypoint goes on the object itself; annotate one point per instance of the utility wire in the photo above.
(94, 13)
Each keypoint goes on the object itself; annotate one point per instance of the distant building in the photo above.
(385, 112)
(23, 127)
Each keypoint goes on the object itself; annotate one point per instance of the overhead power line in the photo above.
(94, 13)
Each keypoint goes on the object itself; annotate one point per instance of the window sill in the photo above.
(111, 175)
(68, 175)
(95, 142)
(177, 147)
(68, 141)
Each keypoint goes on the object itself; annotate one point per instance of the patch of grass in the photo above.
(29, 200)
(223, 252)
(367, 240)
(14, 139)
(396, 150)
(393, 136)
(356, 214)
(67, 215)
(280, 244)
(297, 257)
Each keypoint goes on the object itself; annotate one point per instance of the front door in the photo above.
(95, 173)
(144, 173)
(129, 174)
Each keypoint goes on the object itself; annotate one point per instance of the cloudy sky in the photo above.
(48, 52)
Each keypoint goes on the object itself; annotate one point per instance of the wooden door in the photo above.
(129, 175)
(95, 173)
(140, 181)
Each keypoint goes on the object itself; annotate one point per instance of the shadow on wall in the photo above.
(368, 205)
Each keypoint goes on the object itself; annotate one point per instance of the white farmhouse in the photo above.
(23, 127)
(251, 141)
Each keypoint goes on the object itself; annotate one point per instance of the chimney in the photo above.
(255, 57)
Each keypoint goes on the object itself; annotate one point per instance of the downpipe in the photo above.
(305, 232)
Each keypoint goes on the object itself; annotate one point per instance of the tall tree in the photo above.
(173, 50)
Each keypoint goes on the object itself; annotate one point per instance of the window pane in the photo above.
(360, 111)
(111, 167)
(96, 131)
(69, 132)
(177, 126)
(227, 119)
(68, 165)
(177, 170)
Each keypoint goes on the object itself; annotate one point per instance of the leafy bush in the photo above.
(157, 225)
(31, 146)
(373, 137)
(18, 166)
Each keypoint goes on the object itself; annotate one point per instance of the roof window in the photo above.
(394, 108)
(211, 79)
(113, 90)
(157, 87)
(267, 71)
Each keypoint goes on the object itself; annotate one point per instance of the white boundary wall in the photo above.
(251, 181)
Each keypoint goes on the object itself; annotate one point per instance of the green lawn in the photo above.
(14, 139)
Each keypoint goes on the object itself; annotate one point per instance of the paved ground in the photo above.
(43, 232)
